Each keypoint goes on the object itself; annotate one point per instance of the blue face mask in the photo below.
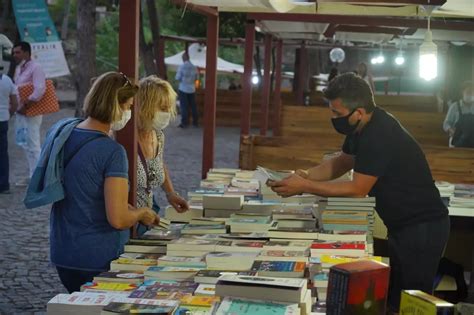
(342, 125)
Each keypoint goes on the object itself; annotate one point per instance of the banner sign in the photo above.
(36, 27)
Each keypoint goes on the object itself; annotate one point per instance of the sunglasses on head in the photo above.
(127, 80)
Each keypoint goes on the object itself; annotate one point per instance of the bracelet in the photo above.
(169, 194)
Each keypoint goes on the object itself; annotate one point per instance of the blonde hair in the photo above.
(154, 95)
(108, 91)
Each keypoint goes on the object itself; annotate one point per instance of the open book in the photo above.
(268, 174)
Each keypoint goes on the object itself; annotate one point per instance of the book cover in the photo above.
(120, 275)
(164, 290)
(230, 306)
(109, 286)
(358, 288)
(263, 281)
(205, 289)
(131, 308)
(418, 302)
(278, 266)
(320, 244)
(206, 301)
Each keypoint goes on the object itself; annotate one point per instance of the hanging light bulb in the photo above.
(374, 60)
(380, 58)
(399, 60)
(428, 57)
(255, 80)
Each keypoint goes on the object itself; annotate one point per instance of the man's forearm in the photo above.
(329, 170)
(333, 189)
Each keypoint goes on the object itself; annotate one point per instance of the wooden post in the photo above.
(302, 75)
(246, 103)
(266, 85)
(128, 64)
(277, 92)
(209, 125)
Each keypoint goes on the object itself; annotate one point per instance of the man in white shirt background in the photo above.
(29, 72)
(187, 75)
(8, 106)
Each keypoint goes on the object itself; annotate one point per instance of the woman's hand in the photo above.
(177, 202)
(149, 217)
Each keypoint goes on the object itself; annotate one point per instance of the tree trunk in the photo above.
(146, 51)
(86, 69)
(5, 13)
(158, 43)
(67, 13)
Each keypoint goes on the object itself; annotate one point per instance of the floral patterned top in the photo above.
(156, 174)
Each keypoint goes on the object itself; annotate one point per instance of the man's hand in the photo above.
(177, 202)
(290, 186)
(22, 108)
(302, 173)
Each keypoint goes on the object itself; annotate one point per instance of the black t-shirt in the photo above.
(405, 191)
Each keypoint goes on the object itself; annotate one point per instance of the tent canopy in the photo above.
(197, 56)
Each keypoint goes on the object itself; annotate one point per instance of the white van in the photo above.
(5, 50)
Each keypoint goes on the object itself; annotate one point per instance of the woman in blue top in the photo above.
(90, 226)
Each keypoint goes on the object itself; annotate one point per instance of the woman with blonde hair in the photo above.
(156, 101)
(90, 217)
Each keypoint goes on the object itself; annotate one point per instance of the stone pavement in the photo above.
(27, 280)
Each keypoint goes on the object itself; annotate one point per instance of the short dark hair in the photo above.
(25, 46)
(354, 92)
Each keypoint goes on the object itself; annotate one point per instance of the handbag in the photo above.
(47, 104)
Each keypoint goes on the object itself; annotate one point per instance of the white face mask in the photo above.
(468, 99)
(161, 120)
(117, 125)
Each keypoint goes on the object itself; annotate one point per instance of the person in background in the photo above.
(156, 98)
(90, 224)
(363, 72)
(29, 72)
(232, 85)
(388, 164)
(8, 106)
(187, 75)
(332, 74)
(459, 121)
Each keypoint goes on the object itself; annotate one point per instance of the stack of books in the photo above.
(344, 214)
(222, 206)
(462, 201)
(248, 223)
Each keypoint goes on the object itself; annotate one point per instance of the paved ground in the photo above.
(27, 281)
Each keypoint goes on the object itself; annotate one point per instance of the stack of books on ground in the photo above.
(462, 201)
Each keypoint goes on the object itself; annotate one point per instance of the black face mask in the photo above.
(341, 124)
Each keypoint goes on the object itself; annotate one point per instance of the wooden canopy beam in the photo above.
(444, 24)
(207, 11)
(388, 2)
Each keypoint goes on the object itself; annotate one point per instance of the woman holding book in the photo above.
(90, 217)
(156, 100)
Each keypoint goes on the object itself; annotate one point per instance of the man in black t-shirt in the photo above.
(389, 164)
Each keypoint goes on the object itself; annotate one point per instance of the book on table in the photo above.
(347, 282)
(283, 269)
(262, 288)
